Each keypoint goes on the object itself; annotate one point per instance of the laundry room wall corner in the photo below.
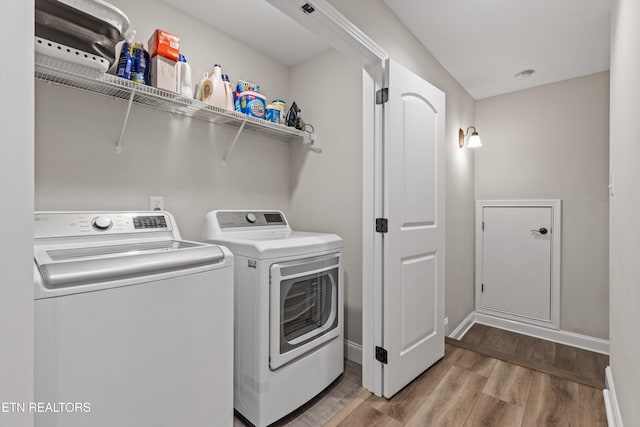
(326, 188)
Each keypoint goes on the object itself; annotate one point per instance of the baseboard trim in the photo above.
(353, 351)
(463, 327)
(572, 339)
(614, 418)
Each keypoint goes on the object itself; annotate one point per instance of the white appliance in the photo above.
(133, 326)
(288, 311)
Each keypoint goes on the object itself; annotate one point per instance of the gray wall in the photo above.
(204, 46)
(378, 22)
(76, 167)
(625, 204)
(163, 155)
(326, 189)
(16, 215)
(552, 142)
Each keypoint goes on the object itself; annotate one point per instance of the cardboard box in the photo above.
(164, 44)
(163, 73)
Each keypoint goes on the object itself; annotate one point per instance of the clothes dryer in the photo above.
(288, 311)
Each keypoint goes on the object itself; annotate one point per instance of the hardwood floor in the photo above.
(471, 389)
(581, 366)
(474, 389)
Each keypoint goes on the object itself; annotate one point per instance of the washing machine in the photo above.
(133, 325)
(288, 311)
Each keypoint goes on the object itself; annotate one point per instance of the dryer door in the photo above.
(305, 296)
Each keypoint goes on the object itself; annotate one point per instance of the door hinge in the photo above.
(482, 288)
(382, 225)
(382, 95)
(381, 355)
(482, 225)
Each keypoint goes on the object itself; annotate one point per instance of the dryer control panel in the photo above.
(227, 219)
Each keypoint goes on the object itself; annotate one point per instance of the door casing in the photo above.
(556, 233)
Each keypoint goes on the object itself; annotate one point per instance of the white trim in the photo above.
(572, 339)
(463, 327)
(556, 237)
(372, 207)
(375, 182)
(368, 221)
(614, 418)
(353, 351)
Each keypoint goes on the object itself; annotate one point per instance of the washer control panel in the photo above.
(65, 224)
(227, 219)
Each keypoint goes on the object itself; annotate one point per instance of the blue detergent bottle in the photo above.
(124, 62)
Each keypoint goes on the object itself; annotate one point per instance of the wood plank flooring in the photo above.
(471, 389)
(581, 366)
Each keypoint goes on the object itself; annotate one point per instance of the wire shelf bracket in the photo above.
(232, 144)
(124, 122)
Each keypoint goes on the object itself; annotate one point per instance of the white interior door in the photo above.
(517, 262)
(413, 287)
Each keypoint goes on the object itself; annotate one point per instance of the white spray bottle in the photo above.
(228, 91)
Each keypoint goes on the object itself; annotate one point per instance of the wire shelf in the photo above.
(57, 72)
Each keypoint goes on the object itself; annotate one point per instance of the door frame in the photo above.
(556, 237)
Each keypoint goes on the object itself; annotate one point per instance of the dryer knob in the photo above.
(102, 223)
(251, 218)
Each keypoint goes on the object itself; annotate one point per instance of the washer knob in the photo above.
(251, 218)
(102, 223)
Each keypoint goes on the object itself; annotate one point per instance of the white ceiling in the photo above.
(484, 43)
(258, 24)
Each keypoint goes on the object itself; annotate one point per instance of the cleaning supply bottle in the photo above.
(199, 95)
(228, 91)
(140, 71)
(124, 62)
(183, 76)
(218, 96)
(122, 66)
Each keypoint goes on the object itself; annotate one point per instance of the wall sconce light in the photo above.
(474, 139)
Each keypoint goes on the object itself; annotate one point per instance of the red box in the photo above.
(164, 44)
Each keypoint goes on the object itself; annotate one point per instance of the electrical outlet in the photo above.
(156, 203)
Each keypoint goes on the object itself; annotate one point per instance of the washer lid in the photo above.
(85, 265)
(277, 244)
